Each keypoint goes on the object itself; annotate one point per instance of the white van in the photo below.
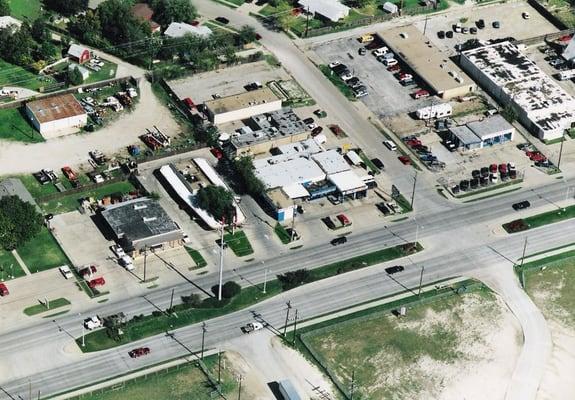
(390, 145)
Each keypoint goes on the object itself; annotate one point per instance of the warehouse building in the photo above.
(142, 224)
(441, 74)
(542, 106)
(264, 132)
(56, 116)
(242, 106)
(485, 133)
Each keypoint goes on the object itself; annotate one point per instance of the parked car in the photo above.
(390, 145)
(420, 94)
(126, 262)
(493, 168)
(441, 34)
(362, 51)
(308, 121)
(189, 103)
(4, 290)
(252, 327)
(41, 177)
(338, 240)
(334, 64)
(388, 62)
(394, 68)
(473, 30)
(525, 15)
(382, 207)
(138, 352)
(394, 270)
(65, 271)
(96, 282)
(316, 131)
(405, 160)
(521, 205)
(223, 20)
(216, 152)
(343, 219)
(449, 34)
(366, 38)
(380, 52)
(480, 23)
(377, 162)
(496, 24)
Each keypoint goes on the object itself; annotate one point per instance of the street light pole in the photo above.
(221, 263)
(219, 366)
(203, 336)
(240, 387)
(295, 327)
(83, 335)
(561, 151)
(287, 316)
(421, 279)
(171, 301)
(413, 191)
(145, 261)
(265, 279)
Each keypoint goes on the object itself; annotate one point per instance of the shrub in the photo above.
(229, 290)
(192, 300)
(292, 279)
(517, 225)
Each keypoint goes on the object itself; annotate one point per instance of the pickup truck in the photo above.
(252, 327)
(93, 322)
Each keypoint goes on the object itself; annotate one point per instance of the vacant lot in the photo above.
(186, 382)
(441, 350)
(552, 291)
(42, 252)
(14, 126)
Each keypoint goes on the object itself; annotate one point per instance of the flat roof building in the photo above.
(445, 78)
(142, 223)
(242, 106)
(484, 133)
(180, 29)
(56, 116)
(542, 106)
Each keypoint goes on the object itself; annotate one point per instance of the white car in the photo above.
(93, 323)
(381, 51)
(312, 126)
(65, 270)
(127, 262)
(390, 62)
(346, 77)
(118, 251)
(334, 64)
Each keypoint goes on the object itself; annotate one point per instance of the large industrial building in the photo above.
(264, 132)
(56, 116)
(542, 106)
(485, 133)
(142, 224)
(441, 74)
(242, 106)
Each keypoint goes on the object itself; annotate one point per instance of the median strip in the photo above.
(194, 309)
(535, 221)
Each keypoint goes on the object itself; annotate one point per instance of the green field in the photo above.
(185, 382)
(9, 267)
(25, 9)
(70, 202)
(14, 126)
(42, 252)
(239, 243)
(13, 75)
(394, 358)
(40, 308)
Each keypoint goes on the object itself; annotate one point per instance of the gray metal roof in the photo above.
(490, 126)
(465, 135)
(289, 390)
(138, 219)
(15, 187)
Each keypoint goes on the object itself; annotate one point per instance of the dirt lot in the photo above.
(458, 347)
(552, 292)
(226, 82)
(508, 14)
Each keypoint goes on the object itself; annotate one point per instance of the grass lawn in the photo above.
(70, 202)
(13, 75)
(392, 357)
(21, 9)
(336, 80)
(282, 233)
(197, 257)
(108, 71)
(239, 243)
(182, 383)
(35, 188)
(368, 163)
(40, 308)
(14, 126)
(9, 267)
(42, 252)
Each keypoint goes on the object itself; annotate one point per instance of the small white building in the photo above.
(435, 111)
(83, 71)
(56, 116)
(180, 29)
(329, 9)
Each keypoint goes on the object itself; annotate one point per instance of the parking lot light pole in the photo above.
(221, 263)
(203, 336)
(287, 316)
(265, 279)
(83, 336)
(421, 279)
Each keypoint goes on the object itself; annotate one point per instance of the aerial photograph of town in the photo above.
(287, 199)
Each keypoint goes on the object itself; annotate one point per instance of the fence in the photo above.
(546, 38)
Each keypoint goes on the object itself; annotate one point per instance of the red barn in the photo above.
(79, 54)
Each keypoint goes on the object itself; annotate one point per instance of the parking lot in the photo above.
(386, 96)
(226, 82)
(509, 16)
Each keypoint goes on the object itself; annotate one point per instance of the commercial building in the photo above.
(79, 54)
(142, 224)
(56, 116)
(542, 106)
(180, 29)
(441, 74)
(242, 106)
(264, 132)
(441, 110)
(332, 10)
(485, 133)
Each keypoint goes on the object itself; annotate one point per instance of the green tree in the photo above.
(247, 34)
(118, 25)
(4, 8)
(291, 279)
(249, 181)
(19, 222)
(168, 11)
(39, 30)
(66, 7)
(75, 77)
(229, 289)
(87, 28)
(217, 201)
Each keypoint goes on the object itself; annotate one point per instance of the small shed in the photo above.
(390, 7)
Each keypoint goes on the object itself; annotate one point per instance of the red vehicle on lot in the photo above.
(493, 168)
(343, 219)
(140, 351)
(413, 142)
(195, 23)
(335, 129)
(4, 290)
(216, 152)
(503, 168)
(70, 175)
(405, 160)
(535, 156)
(96, 282)
(189, 103)
(394, 68)
(88, 270)
(420, 94)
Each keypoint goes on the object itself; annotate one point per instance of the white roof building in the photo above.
(330, 9)
(569, 52)
(347, 182)
(7, 21)
(180, 29)
(331, 162)
(282, 171)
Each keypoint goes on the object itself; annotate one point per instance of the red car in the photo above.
(343, 219)
(258, 36)
(216, 152)
(189, 103)
(503, 168)
(140, 351)
(535, 156)
(405, 160)
(420, 94)
(493, 168)
(195, 23)
(96, 282)
(88, 270)
(335, 129)
(413, 142)
(3, 290)
(70, 175)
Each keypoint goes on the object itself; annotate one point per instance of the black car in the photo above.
(223, 20)
(449, 34)
(496, 24)
(473, 30)
(441, 34)
(316, 131)
(340, 68)
(484, 171)
(521, 205)
(338, 240)
(308, 121)
(395, 269)
(41, 177)
(383, 208)
(480, 24)
(362, 51)
(377, 162)
(475, 173)
(353, 81)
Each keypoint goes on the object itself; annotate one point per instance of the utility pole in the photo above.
(413, 191)
(145, 261)
(561, 151)
(287, 316)
(421, 279)
(425, 25)
(265, 279)
(171, 301)
(307, 21)
(219, 366)
(352, 389)
(295, 327)
(203, 336)
(221, 263)
(83, 336)
(522, 260)
(240, 387)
